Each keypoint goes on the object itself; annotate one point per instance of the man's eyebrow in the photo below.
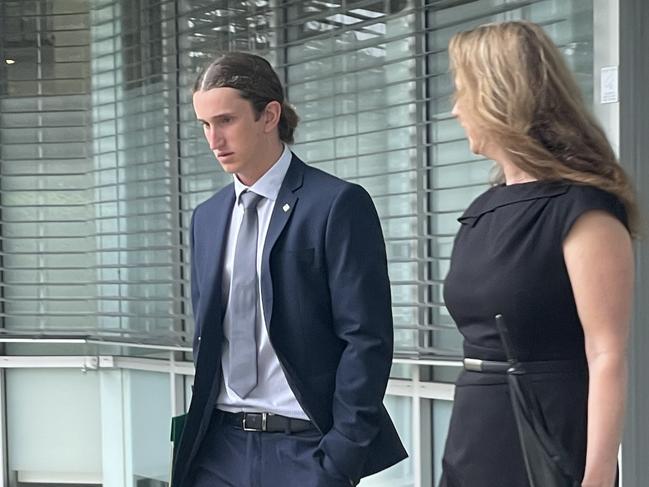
(218, 115)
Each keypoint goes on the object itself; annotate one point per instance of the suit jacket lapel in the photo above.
(221, 216)
(284, 208)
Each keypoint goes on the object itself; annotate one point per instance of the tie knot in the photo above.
(250, 199)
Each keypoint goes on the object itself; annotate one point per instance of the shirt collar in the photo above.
(270, 183)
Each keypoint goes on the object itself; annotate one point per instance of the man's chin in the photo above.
(229, 168)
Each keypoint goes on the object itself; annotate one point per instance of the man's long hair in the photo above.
(255, 80)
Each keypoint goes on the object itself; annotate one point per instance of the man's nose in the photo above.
(214, 138)
(455, 111)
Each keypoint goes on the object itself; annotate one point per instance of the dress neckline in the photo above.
(525, 183)
(503, 195)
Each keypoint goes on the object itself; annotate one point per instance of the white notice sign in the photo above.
(608, 84)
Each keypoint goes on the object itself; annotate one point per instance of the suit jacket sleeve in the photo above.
(195, 291)
(362, 317)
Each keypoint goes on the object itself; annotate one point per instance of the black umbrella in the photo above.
(546, 461)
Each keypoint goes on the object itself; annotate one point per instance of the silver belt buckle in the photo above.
(264, 422)
(474, 364)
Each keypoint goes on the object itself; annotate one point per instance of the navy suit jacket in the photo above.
(327, 305)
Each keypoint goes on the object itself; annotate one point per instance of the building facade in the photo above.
(102, 161)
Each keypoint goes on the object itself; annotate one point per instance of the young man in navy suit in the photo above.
(291, 302)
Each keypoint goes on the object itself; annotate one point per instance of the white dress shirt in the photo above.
(272, 393)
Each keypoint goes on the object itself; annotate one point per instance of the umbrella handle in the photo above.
(505, 338)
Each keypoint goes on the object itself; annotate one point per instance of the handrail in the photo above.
(172, 342)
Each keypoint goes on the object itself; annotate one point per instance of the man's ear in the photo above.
(272, 114)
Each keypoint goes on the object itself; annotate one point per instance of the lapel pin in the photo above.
(286, 207)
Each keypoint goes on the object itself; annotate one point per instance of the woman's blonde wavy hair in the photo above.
(516, 86)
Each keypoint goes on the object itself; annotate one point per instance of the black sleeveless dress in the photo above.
(508, 259)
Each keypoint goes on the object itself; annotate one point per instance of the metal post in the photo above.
(634, 147)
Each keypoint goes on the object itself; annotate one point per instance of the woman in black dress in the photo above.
(548, 247)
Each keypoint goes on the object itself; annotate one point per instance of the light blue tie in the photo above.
(244, 301)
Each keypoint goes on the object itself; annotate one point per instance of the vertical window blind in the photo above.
(103, 160)
(135, 171)
(47, 250)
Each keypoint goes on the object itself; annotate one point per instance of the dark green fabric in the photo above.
(177, 426)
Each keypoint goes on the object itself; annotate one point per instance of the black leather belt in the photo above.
(536, 367)
(265, 422)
